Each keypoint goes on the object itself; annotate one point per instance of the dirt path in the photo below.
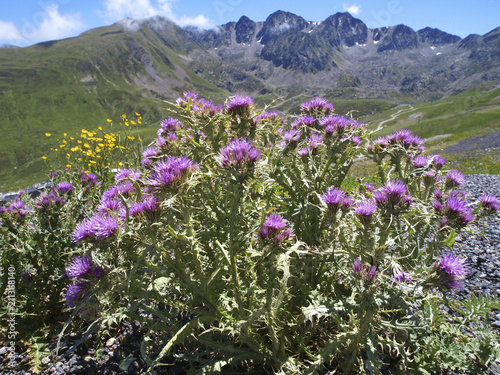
(395, 115)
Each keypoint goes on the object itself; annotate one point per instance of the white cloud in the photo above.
(354, 9)
(47, 24)
(9, 33)
(139, 9)
(57, 26)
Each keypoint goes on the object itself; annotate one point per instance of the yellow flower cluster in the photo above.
(97, 150)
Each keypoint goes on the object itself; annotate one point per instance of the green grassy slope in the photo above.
(76, 83)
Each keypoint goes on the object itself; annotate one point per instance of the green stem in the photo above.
(232, 247)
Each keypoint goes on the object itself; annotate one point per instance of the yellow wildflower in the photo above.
(68, 165)
(48, 134)
(109, 120)
(44, 157)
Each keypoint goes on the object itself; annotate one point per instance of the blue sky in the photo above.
(24, 22)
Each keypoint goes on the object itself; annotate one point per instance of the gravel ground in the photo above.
(473, 143)
(483, 260)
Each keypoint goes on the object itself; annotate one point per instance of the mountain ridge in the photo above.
(134, 65)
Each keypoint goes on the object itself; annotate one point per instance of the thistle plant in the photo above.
(237, 244)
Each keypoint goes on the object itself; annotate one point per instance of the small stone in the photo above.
(496, 324)
(45, 360)
(110, 342)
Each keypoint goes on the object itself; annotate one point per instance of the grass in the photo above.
(64, 86)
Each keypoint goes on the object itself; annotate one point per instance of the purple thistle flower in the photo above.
(347, 203)
(206, 107)
(292, 136)
(188, 97)
(454, 207)
(369, 187)
(304, 151)
(317, 104)
(315, 140)
(104, 226)
(395, 190)
(79, 266)
(89, 180)
(454, 178)
(437, 205)
(148, 153)
(274, 230)
(333, 198)
(489, 203)
(136, 209)
(438, 161)
(356, 140)
(405, 138)
(63, 187)
(239, 105)
(334, 124)
(167, 171)
(239, 152)
(420, 161)
(83, 230)
(109, 205)
(380, 197)
(303, 120)
(402, 277)
(438, 194)
(357, 266)
(266, 115)
(365, 210)
(75, 292)
(451, 265)
(127, 174)
(125, 188)
(169, 125)
(98, 227)
(371, 273)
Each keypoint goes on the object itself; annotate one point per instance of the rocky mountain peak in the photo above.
(245, 30)
(436, 37)
(342, 29)
(278, 23)
(398, 38)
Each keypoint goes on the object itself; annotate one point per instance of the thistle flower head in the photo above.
(97, 227)
(451, 270)
(239, 105)
(239, 152)
(438, 161)
(402, 277)
(357, 266)
(79, 266)
(303, 120)
(167, 171)
(317, 105)
(206, 107)
(75, 292)
(266, 116)
(63, 187)
(420, 161)
(125, 174)
(454, 178)
(365, 210)
(371, 273)
(187, 97)
(489, 203)
(275, 229)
